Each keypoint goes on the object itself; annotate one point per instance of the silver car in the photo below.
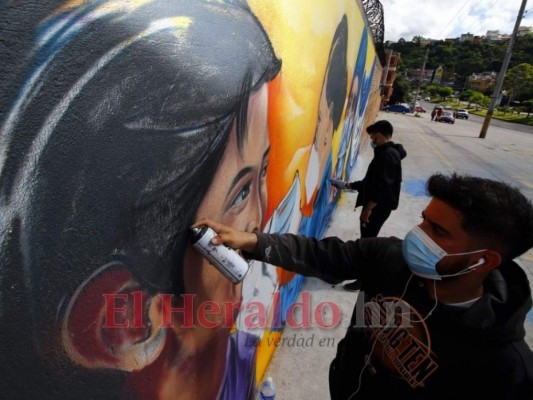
(446, 116)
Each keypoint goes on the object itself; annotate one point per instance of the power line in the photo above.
(455, 16)
(512, 22)
(481, 16)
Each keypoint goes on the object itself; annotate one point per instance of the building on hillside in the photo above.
(423, 42)
(389, 74)
(482, 81)
(415, 75)
(466, 37)
(524, 30)
(493, 36)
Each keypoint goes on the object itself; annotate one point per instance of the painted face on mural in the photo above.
(236, 196)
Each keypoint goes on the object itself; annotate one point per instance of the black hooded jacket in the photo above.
(383, 177)
(402, 344)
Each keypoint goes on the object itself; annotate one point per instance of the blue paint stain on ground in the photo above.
(416, 187)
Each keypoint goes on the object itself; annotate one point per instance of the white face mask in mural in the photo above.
(422, 254)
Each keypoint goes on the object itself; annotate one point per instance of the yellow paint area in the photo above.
(301, 34)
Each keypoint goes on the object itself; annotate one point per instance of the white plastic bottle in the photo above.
(267, 390)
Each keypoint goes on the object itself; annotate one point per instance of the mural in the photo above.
(121, 123)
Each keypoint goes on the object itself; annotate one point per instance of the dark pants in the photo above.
(377, 218)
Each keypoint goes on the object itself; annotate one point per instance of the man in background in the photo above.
(379, 191)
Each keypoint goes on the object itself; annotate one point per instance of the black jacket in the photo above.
(383, 177)
(476, 352)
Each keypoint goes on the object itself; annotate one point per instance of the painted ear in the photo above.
(112, 322)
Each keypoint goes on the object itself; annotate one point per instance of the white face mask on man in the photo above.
(422, 254)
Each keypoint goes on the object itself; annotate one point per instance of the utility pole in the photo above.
(422, 73)
(501, 76)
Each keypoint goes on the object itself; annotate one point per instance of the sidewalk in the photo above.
(300, 371)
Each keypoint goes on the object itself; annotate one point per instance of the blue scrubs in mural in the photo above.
(312, 226)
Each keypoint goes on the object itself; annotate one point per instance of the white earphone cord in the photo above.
(387, 324)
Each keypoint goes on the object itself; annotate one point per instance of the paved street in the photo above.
(505, 154)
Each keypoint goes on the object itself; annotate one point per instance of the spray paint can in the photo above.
(225, 259)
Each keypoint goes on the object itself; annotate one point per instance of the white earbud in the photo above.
(480, 262)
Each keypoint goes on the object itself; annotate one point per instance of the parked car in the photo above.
(446, 116)
(449, 108)
(427, 99)
(461, 113)
(418, 109)
(398, 108)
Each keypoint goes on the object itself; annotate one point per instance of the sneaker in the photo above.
(352, 286)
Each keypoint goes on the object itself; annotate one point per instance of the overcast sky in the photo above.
(440, 19)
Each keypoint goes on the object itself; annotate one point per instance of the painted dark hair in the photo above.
(111, 144)
(337, 77)
(492, 211)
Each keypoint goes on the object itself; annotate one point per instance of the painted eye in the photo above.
(242, 195)
(264, 171)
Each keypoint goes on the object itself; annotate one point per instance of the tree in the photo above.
(400, 90)
(464, 58)
(477, 98)
(518, 79)
(528, 106)
(432, 90)
(444, 91)
(466, 94)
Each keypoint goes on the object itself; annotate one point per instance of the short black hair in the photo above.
(384, 127)
(492, 211)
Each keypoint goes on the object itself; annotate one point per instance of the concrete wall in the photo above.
(123, 122)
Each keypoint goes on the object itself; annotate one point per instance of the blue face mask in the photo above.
(422, 254)
(373, 145)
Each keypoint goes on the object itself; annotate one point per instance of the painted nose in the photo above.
(257, 209)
